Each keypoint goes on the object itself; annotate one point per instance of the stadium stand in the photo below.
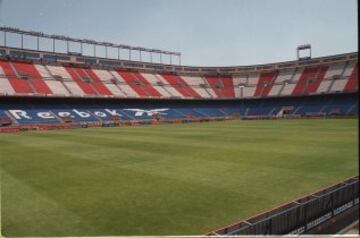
(37, 90)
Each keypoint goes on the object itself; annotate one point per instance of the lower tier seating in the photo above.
(54, 110)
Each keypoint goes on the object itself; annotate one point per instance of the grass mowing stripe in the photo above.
(167, 179)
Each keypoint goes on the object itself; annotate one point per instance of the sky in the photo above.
(206, 32)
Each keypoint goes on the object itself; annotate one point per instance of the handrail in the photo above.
(296, 204)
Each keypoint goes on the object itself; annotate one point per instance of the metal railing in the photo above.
(301, 215)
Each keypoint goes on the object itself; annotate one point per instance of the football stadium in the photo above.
(112, 146)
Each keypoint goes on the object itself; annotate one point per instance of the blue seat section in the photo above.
(313, 106)
(230, 110)
(140, 113)
(260, 111)
(190, 112)
(353, 110)
(76, 114)
(211, 112)
(341, 106)
(31, 116)
(174, 114)
(3, 114)
(107, 114)
(40, 111)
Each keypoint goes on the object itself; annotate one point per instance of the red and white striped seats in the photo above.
(340, 84)
(123, 86)
(138, 84)
(17, 82)
(353, 83)
(110, 81)
(180, 85)
(223, 86)
(157, 84)
(5, 86)
(55, 86)
(62, 74)
(280, 81)
(19, 78)
(290, 85)
(239, 82)
(249, 89)
(199, 86)
(34, 79)
(265, 84)
(333, 72)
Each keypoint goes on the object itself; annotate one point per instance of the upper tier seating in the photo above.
(24, 78)
(108, 80)
(153, 80)
(181, 86)
(56, 87)
(199, 86)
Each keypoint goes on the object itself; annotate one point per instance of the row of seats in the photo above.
(40, 112)
(37, 79)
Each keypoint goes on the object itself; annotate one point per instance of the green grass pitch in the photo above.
(166, 179)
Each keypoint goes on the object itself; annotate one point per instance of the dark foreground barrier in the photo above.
(302, 215)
